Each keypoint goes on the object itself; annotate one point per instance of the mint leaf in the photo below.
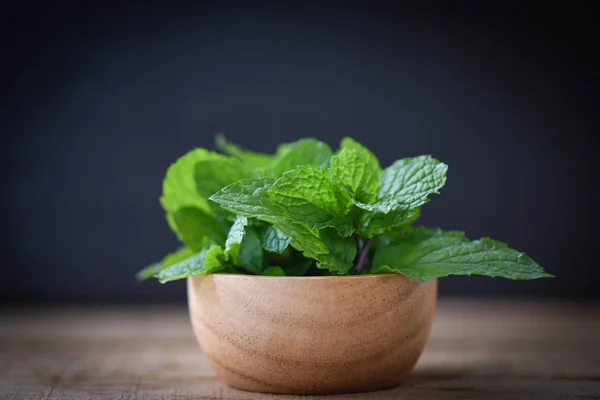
(207, 261)
(218, 171)
(330, 250)
(148, 272)
(274, 241)
(214, 260)
(251, 253)
(302, 152)
(358, 173)
(426, 254)
(243, 246)
(298, 267)
(351, 144)
(255, 160)
(273, 271)
(193, 225)
(235, 237)
(377, 223)
(306, 196)
(194, 177)
(170, 259)
(287, 157)
(248, 198)
(179, 186)
(407, 183)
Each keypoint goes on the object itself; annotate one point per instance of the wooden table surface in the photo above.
(477, 350)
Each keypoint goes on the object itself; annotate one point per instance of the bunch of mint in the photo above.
(306, 210)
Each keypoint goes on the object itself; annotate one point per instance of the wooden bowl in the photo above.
(311, 335)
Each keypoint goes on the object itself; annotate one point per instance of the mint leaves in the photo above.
(306, 210)
(426, 254)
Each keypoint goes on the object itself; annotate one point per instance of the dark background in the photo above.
(97, 101)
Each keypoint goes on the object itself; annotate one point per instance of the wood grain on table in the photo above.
(477, 350)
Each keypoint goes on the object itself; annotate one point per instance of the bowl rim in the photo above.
(330, 277)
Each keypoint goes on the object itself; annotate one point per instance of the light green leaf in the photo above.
(306, 196)
(351, 144)
(215, 260)
(170, 259)
(251, 253)
(148, 272)
(218, 171)
(274, 241)
(358, 173)
(255, 160)
(273, 271)
(194, 265)
(426, 254)
(302, 152)
(248, 198)
(179, 186)
(407, 183)
(194, 177)
(193, 225)
(235, 237)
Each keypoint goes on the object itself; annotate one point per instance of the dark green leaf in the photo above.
(273, 271)
(377, 223)
(251, 252)
(274, 241)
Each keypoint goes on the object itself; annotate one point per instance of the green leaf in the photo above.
(376, 223)
(255, 160)
(148, 272)
(299, 267)
(302, 152)
(193, 225)
(251, 253)
(207, 261)
(358, 173)
(274, 241)
(248, 198)
(179, 186)
(274, 271)
(170, 259)
(326, 246)
(351, 144)
(194, 177)
(287, 157)
(306, 196)
(218, 171)
(407, 183)
(215, 260)
(235, 237)
(426, 254)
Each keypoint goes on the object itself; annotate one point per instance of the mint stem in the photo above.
(364, 252)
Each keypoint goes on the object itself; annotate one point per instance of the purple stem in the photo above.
(360, 263)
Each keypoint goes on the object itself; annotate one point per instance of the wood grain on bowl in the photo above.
(311, 335)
